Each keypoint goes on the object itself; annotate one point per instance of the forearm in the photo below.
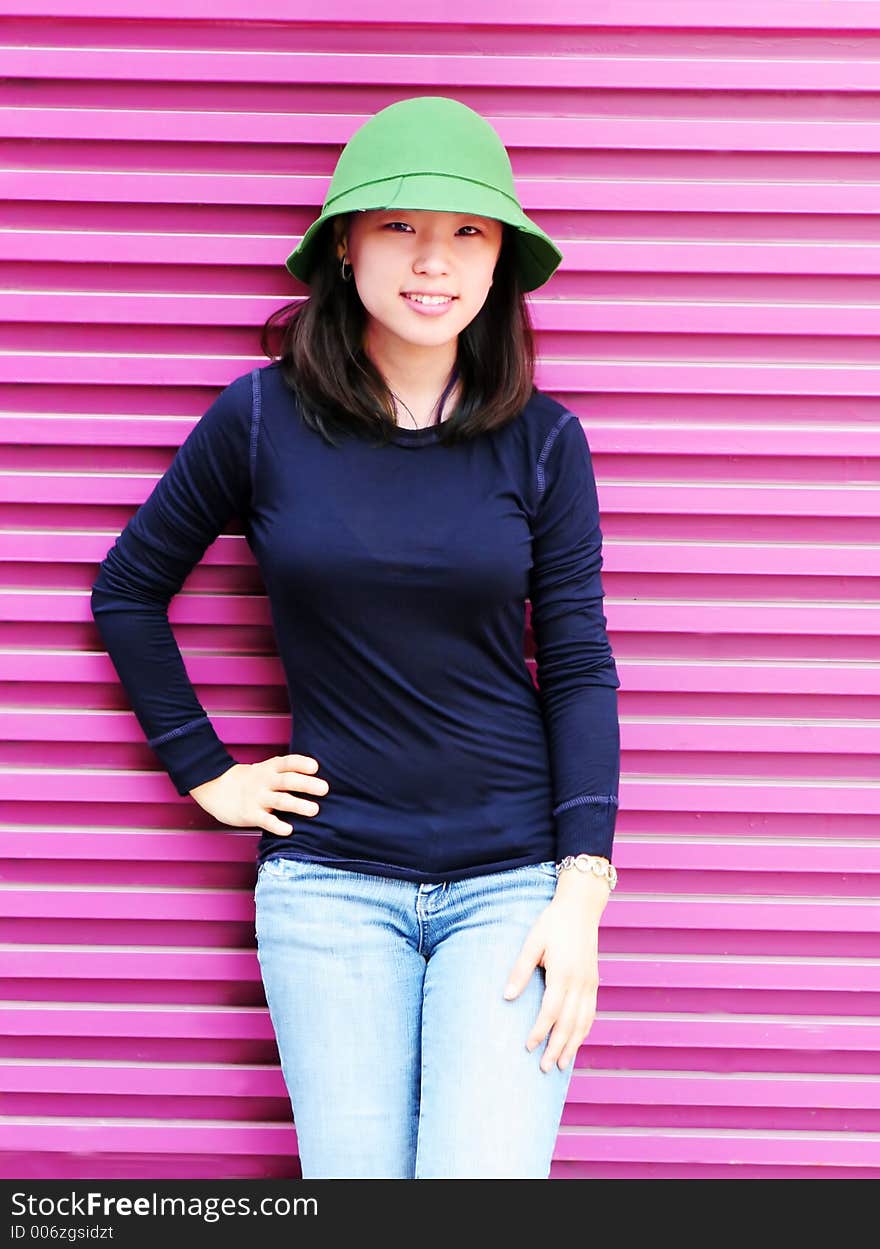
(142, 647)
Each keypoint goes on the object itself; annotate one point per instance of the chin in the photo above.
(432, 334)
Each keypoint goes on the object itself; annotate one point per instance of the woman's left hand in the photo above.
(564, 940)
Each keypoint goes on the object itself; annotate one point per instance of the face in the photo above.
(397, 253)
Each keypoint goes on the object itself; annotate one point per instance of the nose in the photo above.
(432, 257)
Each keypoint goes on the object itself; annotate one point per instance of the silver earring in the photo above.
(346, 277)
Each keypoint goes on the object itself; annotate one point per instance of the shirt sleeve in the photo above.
(577, 676)
(206, 484)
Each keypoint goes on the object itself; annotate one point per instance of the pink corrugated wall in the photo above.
(711, 172)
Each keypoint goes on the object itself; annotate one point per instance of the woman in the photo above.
(435, 850)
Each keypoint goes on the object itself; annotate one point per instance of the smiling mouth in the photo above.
(428, 301)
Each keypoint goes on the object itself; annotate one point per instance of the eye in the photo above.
(389, 225)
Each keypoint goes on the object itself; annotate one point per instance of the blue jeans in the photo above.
(401, 1056)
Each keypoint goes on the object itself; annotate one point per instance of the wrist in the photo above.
(583, 885)
(587, 893)
(588, 865)
(206, 786)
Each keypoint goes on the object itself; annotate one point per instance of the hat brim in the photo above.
(537, 255)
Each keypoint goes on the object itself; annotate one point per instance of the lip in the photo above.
(427, 310)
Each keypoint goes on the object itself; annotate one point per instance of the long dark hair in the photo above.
(340, 390)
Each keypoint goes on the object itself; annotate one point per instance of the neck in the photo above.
(417, 375)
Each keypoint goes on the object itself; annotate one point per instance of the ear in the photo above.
(340, 235)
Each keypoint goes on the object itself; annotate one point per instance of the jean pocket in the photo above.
(548, 867)
(280, 867)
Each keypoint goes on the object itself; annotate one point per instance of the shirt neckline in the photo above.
(421, 437)
(430, 433)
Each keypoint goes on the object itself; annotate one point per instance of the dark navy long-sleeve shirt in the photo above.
(397, 578)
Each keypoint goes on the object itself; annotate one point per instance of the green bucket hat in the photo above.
(433, 153)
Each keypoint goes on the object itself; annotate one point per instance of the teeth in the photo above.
(429, 299)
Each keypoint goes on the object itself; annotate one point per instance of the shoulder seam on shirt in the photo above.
(256, 413)
(548, 447)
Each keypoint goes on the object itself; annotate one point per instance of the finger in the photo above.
(279, 828)
(287, 781)
(299, 763)
(563, 1029)
(280, 801)
(581, 1031)
(551, 1004)
(523, 968)
(566, 1036)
